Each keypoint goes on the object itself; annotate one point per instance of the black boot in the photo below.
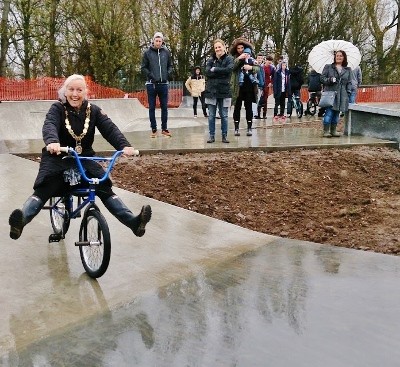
(224, 139)
(334, 133)
(237, 133)
(211, 139)
(258, 112)
(120, 211)
(19, 218)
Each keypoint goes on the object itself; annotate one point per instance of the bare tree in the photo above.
(4, 36)
(383, 22)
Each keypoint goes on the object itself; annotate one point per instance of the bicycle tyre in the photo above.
(311, 107)
(95, 257)
(289, 107)
(59, 218)
(299, 109)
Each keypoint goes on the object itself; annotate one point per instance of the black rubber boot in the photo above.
(224, 139)
(120, 211)
(259, 111)
(19, 218)
(334, 133)
(327, 132)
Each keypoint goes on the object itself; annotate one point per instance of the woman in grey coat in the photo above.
(336, 77)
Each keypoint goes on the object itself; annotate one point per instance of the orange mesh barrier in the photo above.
(46, 89)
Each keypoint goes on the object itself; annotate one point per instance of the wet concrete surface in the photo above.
(194, 291)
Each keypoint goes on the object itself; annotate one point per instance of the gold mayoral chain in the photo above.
(78, 139)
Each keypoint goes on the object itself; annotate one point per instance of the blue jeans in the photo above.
(352, 97)
(160, 90)
(223, 112)
(331, 116)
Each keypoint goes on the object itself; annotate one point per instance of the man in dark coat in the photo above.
(157, 69)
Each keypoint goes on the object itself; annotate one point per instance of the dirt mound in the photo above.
(346, 197)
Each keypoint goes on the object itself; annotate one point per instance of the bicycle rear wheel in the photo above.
(94, 243)
(299, 109)
(59, 216)
(311, 107)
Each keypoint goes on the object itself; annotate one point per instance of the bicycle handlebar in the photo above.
(78, 159)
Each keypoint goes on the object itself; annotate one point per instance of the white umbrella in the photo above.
(322, 54)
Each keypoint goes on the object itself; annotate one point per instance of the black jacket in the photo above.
(55, 131)
(314, 82)
(296, 77)
(157, 65)
(218, 81)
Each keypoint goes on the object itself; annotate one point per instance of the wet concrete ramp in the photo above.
(194, 291)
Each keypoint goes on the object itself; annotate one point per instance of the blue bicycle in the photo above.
(94, 235)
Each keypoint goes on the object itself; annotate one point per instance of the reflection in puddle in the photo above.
(280, 304)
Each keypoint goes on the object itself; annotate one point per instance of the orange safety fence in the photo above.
(46, 89)
(370, 93)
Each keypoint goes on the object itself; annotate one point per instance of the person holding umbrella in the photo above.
(336, 77)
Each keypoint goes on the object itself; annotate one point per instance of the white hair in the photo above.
(61, 91)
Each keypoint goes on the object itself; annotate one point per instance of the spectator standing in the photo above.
(282, 89)
(72, 121)
(157, 69)
(336, 77)
(261, 83)
(356, 82)
(247, 92)
(315, 86)
(269, 71)
(218, 88)
(296, 79)
(196, 84)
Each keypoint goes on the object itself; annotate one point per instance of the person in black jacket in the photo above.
(296, 79)
(218, 89)
(72, 122)
(157, 69)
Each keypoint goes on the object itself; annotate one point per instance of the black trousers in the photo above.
(280, 103)
(247, 98)
(56, 186)
(203, 105)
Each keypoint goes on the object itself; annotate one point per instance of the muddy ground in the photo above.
(343, 197)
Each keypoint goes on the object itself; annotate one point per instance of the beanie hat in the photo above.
(247, 50)
(158, 35)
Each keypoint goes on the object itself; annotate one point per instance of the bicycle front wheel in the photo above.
(94, 243)
(59, 216)
(311, 107)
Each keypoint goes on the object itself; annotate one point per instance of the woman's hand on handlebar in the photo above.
(54, 148)
(129, 151)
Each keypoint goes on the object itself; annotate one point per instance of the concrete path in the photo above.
(194, 291)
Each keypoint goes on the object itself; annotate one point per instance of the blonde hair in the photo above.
(71, 78)
(218, 40)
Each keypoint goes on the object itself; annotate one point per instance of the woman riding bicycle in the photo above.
(72, 122)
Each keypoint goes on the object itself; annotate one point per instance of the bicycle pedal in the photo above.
(54, 237)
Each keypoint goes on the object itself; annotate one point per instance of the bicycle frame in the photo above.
(94, 235)
(88, 193)
(91, 190)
